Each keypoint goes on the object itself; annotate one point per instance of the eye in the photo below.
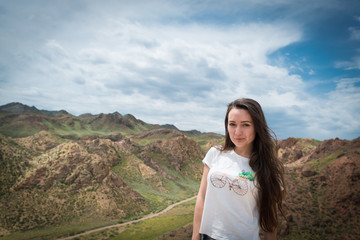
(232, 124)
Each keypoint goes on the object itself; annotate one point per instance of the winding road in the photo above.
(130, 222)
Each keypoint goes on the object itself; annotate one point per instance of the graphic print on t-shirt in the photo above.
(239, 184)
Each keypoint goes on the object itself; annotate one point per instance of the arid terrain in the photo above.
(75, 173)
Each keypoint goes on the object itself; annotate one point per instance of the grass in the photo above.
(319, 164)
(153, 228)
(168, 192)
(54, 232)
(19, 131)
(204, 138)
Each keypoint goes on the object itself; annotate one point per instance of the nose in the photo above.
(238, 131)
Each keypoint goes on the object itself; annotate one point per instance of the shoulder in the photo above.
(211, 156)
(219, 150)
(215, 149)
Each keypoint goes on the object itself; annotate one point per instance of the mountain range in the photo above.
(58, 169)
(61, 174)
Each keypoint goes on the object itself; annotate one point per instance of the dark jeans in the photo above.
(206, 237)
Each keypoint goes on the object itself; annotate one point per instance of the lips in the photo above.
(239, 139)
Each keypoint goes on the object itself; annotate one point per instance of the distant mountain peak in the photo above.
(130, 116)
(20, 120)
(170, 126)
(16, 107)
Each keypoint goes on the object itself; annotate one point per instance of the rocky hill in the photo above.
(56, 168)
(322, 178)
(46, 180)
(60, 170)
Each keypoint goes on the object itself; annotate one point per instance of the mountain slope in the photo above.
(58, 169)
(56, 181)
(323, 200)
(18, 120)
(69, 181)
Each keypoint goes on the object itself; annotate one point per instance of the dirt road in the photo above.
(130, 222)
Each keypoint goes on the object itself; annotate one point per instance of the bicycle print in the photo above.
(239, 185)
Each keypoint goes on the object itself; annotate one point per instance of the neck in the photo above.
(243, 152)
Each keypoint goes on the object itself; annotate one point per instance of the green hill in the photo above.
(78, 172)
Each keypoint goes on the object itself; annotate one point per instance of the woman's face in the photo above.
(241, 131)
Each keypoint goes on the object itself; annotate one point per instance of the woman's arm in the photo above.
(199, 206)
(270, 235)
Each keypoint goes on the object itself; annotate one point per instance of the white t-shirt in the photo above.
(230, 208)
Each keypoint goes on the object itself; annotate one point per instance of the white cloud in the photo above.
(334, 116)
(194, 65)
(150, 60)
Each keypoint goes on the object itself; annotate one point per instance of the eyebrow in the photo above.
(241, 121)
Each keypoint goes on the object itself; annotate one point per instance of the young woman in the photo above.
(241, 189)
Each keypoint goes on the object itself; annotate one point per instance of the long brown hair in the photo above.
(269, 171)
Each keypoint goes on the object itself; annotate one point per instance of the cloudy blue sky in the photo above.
(181, 62)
